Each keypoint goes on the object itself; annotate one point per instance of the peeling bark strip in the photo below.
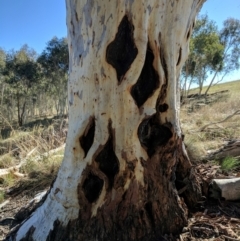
(147, 82)
(124, 179)
(122, 51)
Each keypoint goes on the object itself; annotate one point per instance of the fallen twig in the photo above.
(46, 154)
(15, 169)
(230, 238)
(214, 123)
(4, 204)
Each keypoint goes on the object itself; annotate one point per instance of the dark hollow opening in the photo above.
(152, 135)
(108, 161)
(86, 140)
(92, 187)
(163, 107)
(147, 82)
(122, 51)
(149, 212)
(179, 56)
(188, 34)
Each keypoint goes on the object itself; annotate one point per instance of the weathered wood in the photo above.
(237, 112)
(230, 149)
(229, 189)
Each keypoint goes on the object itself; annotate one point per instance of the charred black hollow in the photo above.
(108, 161)
(149, 211)
(122, 51)
(147, 82)
(152, 135)
(86, 140)
(188, 34)
(92, 187)
(163, 107)
(179, 56)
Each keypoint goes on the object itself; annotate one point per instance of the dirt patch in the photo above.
(18, 205)
(210, 220)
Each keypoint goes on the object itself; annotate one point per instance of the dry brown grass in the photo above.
(32, 149)
(200, 143)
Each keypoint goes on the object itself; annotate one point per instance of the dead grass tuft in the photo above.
(31, 149)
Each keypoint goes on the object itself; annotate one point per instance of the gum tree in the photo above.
(125, 173)
(54, 61)
(22, 75)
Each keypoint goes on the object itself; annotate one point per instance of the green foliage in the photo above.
(2, 196)
(2, 60)
(206, 52)
(21, 73)
(8, 180)
(230, 164)
(230, 38)
(54, 61)
(55, 56)
(212, 52)
(33, 84)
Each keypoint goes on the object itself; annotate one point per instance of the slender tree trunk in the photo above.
(200, 84)
(2, 93)
(189, 85)
(23, 115)
(124, 161)
(209, 86)
(18, 111)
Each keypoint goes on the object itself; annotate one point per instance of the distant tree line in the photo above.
(33, 84)
(212, 53)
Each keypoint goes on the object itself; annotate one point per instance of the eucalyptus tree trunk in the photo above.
(125, 173)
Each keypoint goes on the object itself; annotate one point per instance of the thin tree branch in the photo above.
(214, 123)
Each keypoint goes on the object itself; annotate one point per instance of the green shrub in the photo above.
(2, 196)
(230, 164)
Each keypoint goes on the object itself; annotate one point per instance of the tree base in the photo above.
(141, 212)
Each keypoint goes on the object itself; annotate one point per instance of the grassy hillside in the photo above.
(200, 143)
(233, 87)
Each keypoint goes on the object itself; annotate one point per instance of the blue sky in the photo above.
(35, 22)
(32, 22)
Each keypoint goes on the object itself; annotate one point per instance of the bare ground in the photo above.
(211, 220)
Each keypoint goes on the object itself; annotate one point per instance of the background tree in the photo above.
(206, 52)
(230, 39)
(124, 161)
(54, 60)
(22, 73)
(2, 67)
(34, 85)
(188, 72)
(212, 53)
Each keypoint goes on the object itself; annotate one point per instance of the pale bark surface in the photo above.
(229, 189)
(124, 160)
